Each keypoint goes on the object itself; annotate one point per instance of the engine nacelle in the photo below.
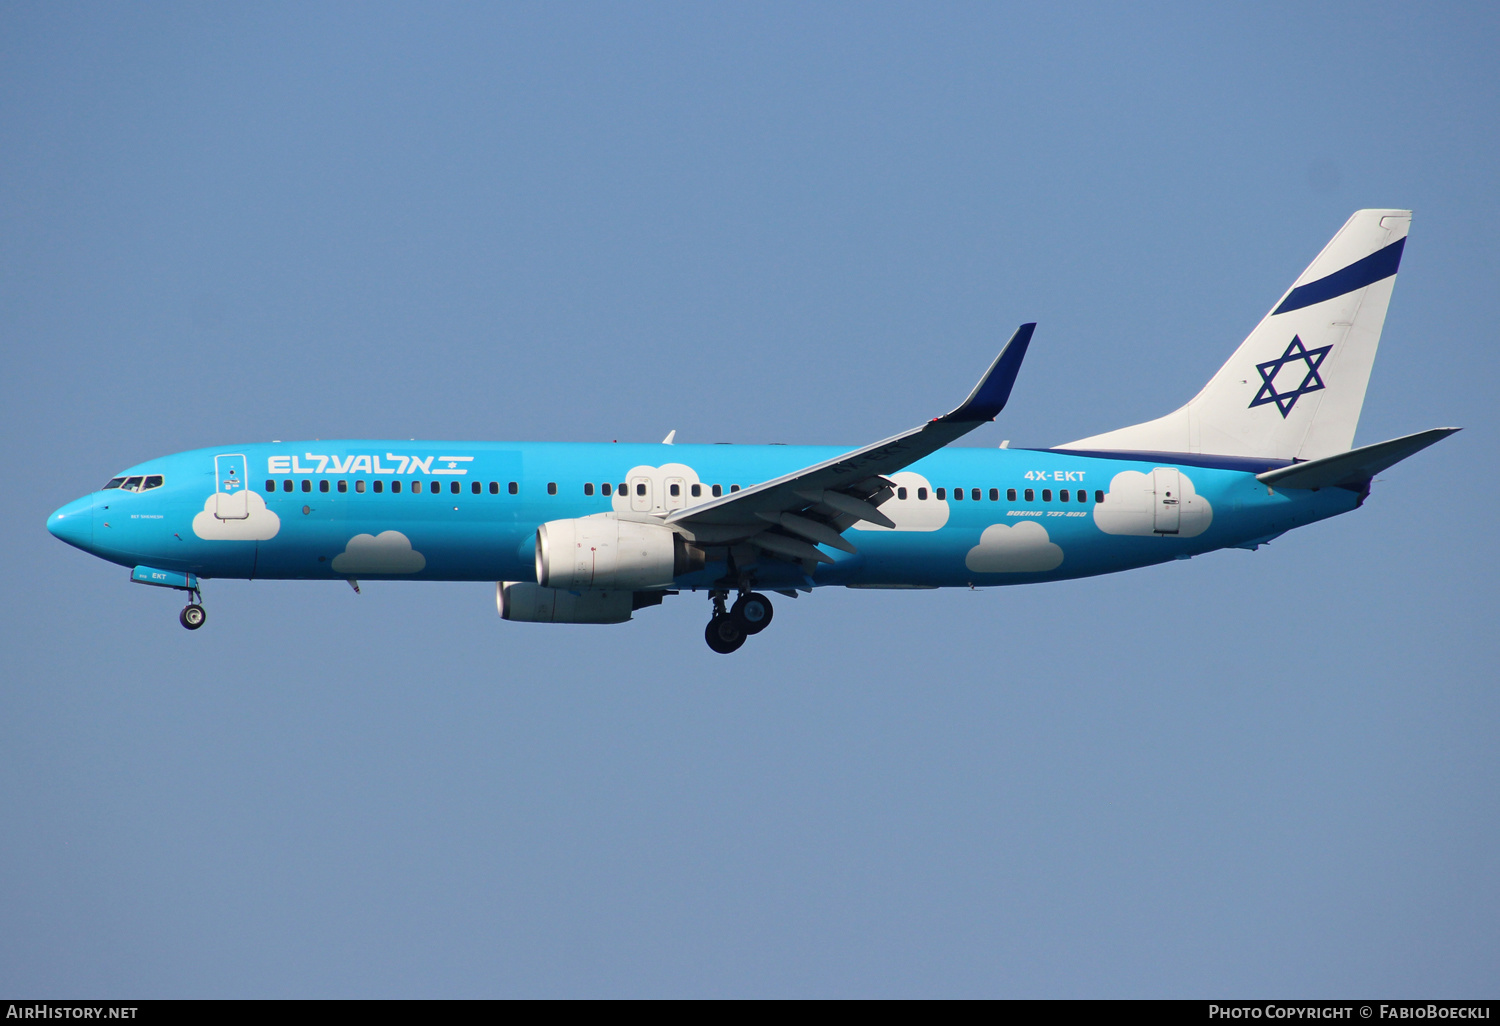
(607, 553)
(524, 602)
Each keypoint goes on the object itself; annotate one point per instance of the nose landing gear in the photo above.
(728, 629)
(192, 616)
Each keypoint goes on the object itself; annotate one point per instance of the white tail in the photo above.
(1294, 387)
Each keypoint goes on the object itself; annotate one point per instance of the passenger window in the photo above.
(494, 487)
(1046, 494)
(640, 489)
(734, 488)
(154, 481)
(359, 486)
(286, 485)
(588, 488)
(379, 486)
(994, 495)
(674, 490)
(306, 485)
(1098, 496)
(514, 488)
(474, 488)
(453, 487)
(974, 494)
(434, 488)
(942, 493)
(605, 488)
(343, 486)
(718, 490)
(1030, 495)
(697, 490)
(395, 487)
(624, 489)
(270, 485)
(1062, 496)
(958, 495)
(901, 493)
(116, 482)
(323, 485)
(921, 494)
(1010, 495)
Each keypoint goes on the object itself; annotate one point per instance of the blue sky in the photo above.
(1248, 774)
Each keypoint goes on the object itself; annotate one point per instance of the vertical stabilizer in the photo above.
(1294, 387)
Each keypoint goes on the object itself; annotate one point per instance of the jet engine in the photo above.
(524, 602)
(605, 553)
(531, 603)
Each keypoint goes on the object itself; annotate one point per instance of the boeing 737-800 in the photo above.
(590, 533)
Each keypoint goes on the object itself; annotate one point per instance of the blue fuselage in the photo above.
(469, 511)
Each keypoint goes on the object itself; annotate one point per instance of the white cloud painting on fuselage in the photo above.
(1131, 505)
(1014, 549)
(388, 552)
(911, 513)
(260, 525)
(658, 481)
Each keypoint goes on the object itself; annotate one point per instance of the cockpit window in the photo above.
(134, 484)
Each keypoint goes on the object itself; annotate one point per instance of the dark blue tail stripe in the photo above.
(1378, 265)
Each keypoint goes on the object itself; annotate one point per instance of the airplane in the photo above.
(586, 533)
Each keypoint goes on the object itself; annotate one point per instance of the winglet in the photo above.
(992, 392)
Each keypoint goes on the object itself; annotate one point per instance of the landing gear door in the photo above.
(1168, 505)
(231, 488)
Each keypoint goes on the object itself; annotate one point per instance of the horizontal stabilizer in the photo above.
(1354, 467)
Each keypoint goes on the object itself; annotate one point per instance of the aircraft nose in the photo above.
(74, 523)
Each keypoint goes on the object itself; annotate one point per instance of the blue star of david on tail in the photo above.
(1311, 382)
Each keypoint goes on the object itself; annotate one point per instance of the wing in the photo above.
(790, 515)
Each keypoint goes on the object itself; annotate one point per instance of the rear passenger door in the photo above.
(1167, 506)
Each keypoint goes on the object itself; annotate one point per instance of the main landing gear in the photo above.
(728, 629)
